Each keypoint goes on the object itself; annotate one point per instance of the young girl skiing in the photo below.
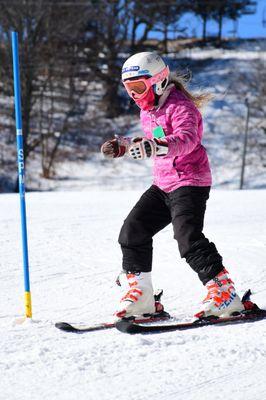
(172, 126)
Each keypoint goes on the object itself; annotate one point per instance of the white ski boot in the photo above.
(138, 298)
(221, 300)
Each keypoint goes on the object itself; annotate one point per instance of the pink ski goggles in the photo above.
(138, 88)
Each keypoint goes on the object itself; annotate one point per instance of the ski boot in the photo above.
(222, 299)
(138, 299)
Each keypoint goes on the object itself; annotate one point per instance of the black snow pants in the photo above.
(185, 209)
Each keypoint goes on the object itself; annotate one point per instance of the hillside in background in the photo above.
(233, 74)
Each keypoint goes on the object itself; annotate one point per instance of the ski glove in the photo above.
(145, 148)
(113, 148)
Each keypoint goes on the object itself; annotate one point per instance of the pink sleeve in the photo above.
(184, 122)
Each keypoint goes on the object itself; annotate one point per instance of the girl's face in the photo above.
(138, 87)
(141, 91)
(147, 102)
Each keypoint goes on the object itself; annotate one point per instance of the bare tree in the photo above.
(107, 32)
(220, 10)
(232, 9)
(167, 19)
(48, 35)
(143, 16)
(204, 9)
(257, 88)
(250, 87)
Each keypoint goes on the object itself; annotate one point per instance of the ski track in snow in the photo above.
(74, 259)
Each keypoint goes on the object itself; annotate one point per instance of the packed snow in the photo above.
(74, 260)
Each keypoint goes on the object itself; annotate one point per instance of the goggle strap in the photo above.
(160, 76)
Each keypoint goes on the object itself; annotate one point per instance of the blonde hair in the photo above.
(181, 80)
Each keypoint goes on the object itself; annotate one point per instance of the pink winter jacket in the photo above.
(186, 163)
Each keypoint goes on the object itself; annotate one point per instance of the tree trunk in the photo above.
(165, 39)
(133, 35)
(204, 27)
(111, 83)
(220, 22)
(144, 36)
(110, 98)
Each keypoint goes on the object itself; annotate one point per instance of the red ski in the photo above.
(251, 313)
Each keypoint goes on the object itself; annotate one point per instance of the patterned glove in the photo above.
(113, 148)
(145, 148)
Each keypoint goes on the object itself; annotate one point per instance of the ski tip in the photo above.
(246, 296)
(126, 326)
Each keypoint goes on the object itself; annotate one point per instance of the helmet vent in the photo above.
(164, 82)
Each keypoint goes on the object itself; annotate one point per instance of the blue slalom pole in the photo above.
(21, 173)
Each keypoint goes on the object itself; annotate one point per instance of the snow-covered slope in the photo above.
(74, 259)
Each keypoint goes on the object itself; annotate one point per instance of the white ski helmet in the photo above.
(147, 64)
